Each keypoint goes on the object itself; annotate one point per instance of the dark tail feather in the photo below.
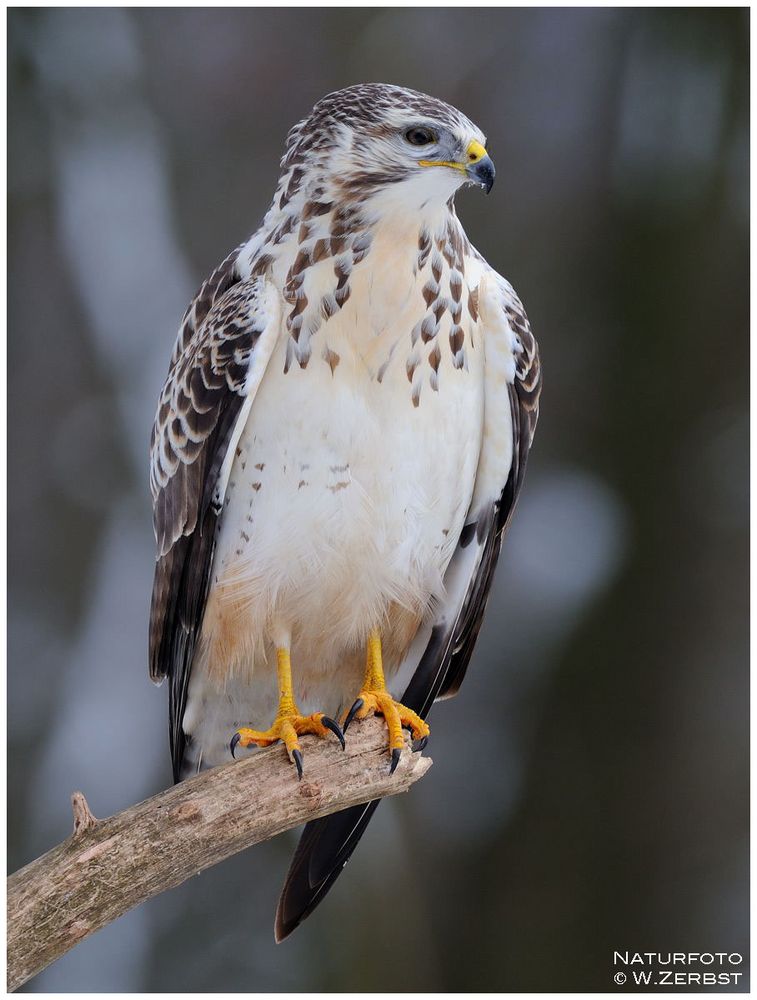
(323, 851)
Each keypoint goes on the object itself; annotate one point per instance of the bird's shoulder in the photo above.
(506, 321)
(216, 359)
(512, 389)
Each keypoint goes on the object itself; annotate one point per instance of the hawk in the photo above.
(337, 452)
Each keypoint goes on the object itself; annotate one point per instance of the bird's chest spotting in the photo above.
(398, 303)
(355, 471)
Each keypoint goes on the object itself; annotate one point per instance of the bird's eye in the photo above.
(420, 136)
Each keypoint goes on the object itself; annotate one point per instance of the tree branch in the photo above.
(109, 866)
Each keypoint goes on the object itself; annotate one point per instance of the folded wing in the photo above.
(224, 345)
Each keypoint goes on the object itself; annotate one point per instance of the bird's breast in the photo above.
(355, 471)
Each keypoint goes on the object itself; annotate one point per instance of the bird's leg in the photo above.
(289, 722)
(375, 699)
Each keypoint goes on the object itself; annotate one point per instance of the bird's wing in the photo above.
(512, 357)
(442, 649)
(225, 342)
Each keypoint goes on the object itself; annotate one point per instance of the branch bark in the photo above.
(109, 866)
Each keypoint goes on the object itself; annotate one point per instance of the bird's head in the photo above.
(381, 142)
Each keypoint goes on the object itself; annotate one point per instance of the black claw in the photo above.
(233, 745)
(420, 745)
(396, 753)
(297, 758)
(330, 724)
(352, 713)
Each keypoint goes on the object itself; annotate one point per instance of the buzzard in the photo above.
(337, 452)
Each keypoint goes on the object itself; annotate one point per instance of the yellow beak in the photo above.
(478, 165)
(475, 152)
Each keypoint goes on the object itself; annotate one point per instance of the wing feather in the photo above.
(224, 344)
(446, 645)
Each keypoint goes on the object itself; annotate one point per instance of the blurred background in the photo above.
(589, 790)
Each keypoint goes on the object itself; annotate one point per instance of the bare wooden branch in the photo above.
(109, 866)
(84, 819)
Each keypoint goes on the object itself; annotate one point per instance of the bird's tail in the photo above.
(323, 851)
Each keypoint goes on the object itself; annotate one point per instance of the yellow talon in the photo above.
(289, 723)
(374, 699)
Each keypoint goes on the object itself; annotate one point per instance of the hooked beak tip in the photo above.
(482, 173)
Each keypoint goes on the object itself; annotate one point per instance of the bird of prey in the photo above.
(337, 452)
